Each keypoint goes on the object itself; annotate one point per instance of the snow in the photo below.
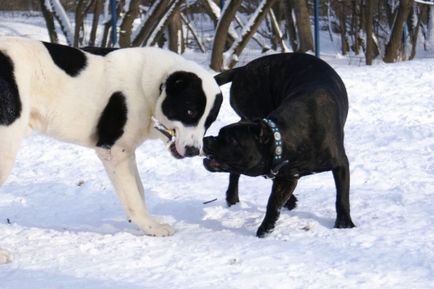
(65, 228)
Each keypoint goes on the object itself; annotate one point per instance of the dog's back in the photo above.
(260, 87)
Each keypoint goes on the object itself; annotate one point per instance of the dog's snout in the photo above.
(191, 151)
(208, 144)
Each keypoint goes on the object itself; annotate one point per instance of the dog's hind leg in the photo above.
(232, 192)
(10, 140)
(121, 167)
(341, 175)
(281, 192)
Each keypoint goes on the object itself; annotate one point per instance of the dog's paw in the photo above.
(5, 257)
(231, 202)
(159, 230)
(232, 197)
(291, 203)
(264, 231)
(344, 223)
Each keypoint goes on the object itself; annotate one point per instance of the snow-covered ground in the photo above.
(65, 227)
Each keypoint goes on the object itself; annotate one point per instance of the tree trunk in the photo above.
(212, 10)
(343, 28)
(414, 31)
(369, 22)
(49, 21)
(158, 32)
(127, 23)
(79, 18)
(277, 33)
(61, 16)
(176, 37)
(220, 37)
(429, 38)
(355, 27)
(95, 20)
(304, 27)
(193, 32)
(394, 46)
(156, 11)
(290, 25)
(239, 46)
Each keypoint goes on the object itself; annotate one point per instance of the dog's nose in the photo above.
(191, 151)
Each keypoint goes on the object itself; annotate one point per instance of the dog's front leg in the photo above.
(232, 192)
(280, 194)
(121, 167)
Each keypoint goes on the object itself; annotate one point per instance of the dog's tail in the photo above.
(226, 76)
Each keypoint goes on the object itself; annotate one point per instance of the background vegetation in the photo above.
(391, 30)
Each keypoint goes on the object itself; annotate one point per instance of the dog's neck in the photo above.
(278, 162)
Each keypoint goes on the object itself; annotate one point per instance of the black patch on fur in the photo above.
(185, 100)
(10, 104)
(112, 121)
(69, 59)
(98, 50)
(214, 110)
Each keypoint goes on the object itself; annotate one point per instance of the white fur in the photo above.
(68, 108)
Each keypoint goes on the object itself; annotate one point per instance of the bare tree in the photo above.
(290, 25)
(153, 16)
(49, 21)
(194, 33)
(98, 5)
(394, 46)
(277, 32)
(80, 14)
(127, 23)
(250, 29)
(414, 23)
(228, 15)
(303, 25)
(369, 22)
(175, 33)
(157, 33)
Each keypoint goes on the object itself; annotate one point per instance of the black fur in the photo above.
(10, 104)
(69, 59)
(307, 100)
(214, 110)
(185, 100)
(98, 50)
(112, 121)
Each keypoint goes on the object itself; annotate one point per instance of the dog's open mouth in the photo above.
(174, 152)
(213, 165)
(171, 136)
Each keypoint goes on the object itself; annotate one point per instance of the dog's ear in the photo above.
(176, 82)
(263, 133)
(226, 76)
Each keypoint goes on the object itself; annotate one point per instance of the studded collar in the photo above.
(277, 162)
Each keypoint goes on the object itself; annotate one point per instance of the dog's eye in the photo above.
(191, 113)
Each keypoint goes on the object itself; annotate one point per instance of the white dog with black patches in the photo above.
(104, 99)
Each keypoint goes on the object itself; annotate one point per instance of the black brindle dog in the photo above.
(293, 109)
